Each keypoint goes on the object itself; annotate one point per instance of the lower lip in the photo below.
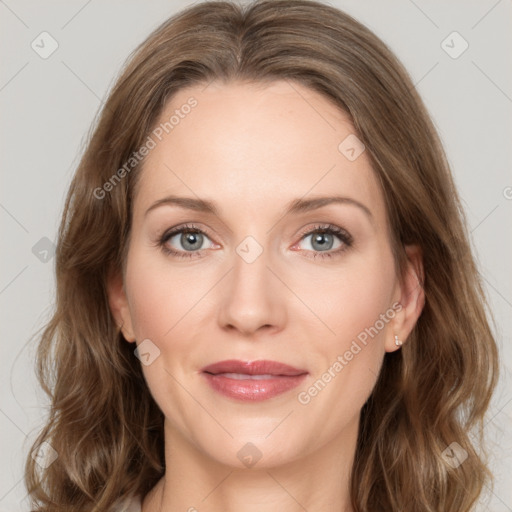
(253, 390)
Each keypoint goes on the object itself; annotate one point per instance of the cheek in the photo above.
(164, 302)
(348, 360)
(353, 298)
(159, 295)
(355, 307)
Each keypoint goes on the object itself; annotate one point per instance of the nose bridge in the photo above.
(251, 298)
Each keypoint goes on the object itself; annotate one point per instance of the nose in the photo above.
(252, 297)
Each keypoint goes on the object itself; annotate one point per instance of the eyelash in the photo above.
(331, 229)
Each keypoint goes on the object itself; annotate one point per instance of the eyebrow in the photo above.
(294, 207)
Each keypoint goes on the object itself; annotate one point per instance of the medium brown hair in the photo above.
(104, 424)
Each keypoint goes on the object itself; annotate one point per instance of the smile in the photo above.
(252, 381)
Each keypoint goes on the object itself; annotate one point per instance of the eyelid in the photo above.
(345, 238)
(327, 227)
(342, 234)
(180, 228)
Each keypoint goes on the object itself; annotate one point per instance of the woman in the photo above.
(266, 299)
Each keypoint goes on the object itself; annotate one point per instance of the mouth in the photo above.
(252, 381)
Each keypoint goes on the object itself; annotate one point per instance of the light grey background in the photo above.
(48, 105)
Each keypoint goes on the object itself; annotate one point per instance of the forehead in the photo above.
(255, 146)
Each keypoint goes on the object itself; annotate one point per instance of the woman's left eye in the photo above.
(192, 238)
(323, 239)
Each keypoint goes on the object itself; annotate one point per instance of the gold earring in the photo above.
(398, 343)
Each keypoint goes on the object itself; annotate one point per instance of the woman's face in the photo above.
(257, 278)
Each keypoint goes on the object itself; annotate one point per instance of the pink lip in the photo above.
(281, 378)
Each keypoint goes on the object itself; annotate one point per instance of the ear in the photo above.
(411, 297)
(118, 303)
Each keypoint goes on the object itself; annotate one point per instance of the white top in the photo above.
(129, 505)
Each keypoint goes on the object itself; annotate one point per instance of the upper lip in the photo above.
(252, 368)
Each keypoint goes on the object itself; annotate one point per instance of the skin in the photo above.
(252, 149)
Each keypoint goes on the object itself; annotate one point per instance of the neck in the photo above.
(194, 482)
